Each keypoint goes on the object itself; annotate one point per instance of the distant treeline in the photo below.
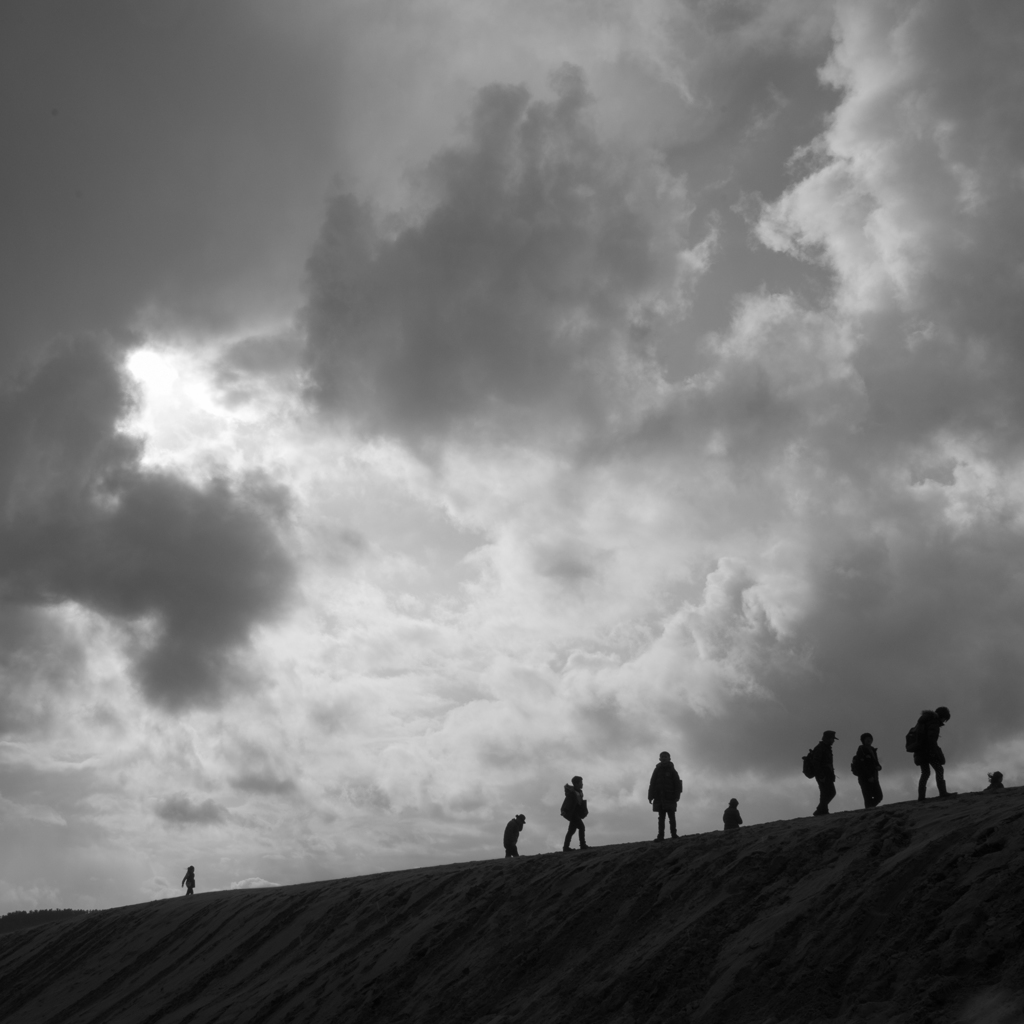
(18, 919)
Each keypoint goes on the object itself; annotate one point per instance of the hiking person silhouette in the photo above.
(824, 772)
(866, 767)
(511, 837)
(731, 817)
(663, 794)
(189, 880)
(927, 752)
(574, 809)
(995, 783)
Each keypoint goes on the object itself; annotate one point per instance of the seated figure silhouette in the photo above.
(731, 817)
(995, 782)
(511, 837)
(189, 880)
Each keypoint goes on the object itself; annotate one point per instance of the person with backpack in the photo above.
(731, 817)
(663, 794)
(574, 809)
(819, 763)
(189, 880)
(923, 741)
(511, 838)
(866, 767)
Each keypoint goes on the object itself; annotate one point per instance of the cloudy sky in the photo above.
(405, 407)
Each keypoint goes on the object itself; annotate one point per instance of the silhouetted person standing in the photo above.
(866, 767)
(731, 817)
(512, 830)
(995, 782)
(189, 880)
(663, 793)
(928, 754)
(574, 808)
(824, 772)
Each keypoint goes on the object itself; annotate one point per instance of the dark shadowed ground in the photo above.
(908, 913)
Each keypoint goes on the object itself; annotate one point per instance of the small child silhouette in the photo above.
(189, 880)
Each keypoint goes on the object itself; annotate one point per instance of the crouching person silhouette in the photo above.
(511, 839)
(189, 880)
(663, 793)
(995, 782)
(574, 809)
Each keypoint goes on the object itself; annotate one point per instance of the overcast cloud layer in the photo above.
(401, 415)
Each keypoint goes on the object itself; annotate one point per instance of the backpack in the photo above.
(811, 763)
(572, 809)
(913, 739)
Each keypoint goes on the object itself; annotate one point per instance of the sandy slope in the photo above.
(905, 913)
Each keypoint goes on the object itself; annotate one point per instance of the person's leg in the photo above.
(821, 808)
(922, 783)
(583, 834)
(672, 824)
(940, 779)
(569, 834)
(866, 790)
(876, 791)
(513, 851)
(826, 791)
(661, 824)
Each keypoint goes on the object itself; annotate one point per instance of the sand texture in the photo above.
(907, 913)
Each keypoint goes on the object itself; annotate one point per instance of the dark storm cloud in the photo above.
(180, 810)
(519, 289)
(83, 522)
(172, 153)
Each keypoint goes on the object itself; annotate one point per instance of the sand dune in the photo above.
(908, 913)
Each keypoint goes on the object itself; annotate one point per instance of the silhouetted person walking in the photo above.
(731, 817)
(824, 772)
(511, 839)
(663, 793)
(995, 782)
(189, 880)
(927, 752)
(866, 767)
(574, 808)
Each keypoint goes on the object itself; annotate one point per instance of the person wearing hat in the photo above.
(511, 839)
(995, 782)
(731, 817)
(663, 793)
(824, 772)
(574, 810)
